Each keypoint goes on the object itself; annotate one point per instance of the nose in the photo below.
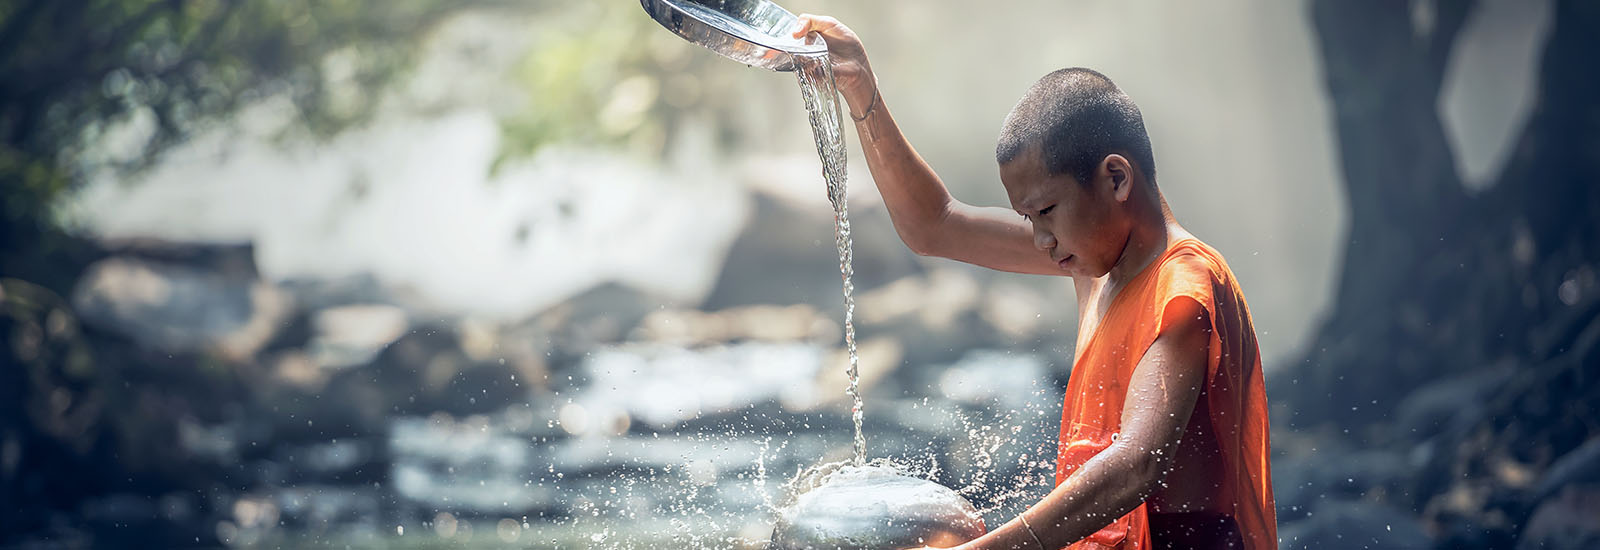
(1042, 239)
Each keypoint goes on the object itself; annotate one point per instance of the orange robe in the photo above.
(1237, 399)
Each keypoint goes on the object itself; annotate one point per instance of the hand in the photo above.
(851, 72)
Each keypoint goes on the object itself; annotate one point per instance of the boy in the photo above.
(1164, 439)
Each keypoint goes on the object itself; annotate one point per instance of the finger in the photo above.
(827, 26)
(806, 21)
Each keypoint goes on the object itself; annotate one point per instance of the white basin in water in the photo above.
(875, 508)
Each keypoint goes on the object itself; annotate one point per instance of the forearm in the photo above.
(917, 200)
(1098, 493)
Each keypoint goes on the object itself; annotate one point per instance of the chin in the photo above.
(1090, 272)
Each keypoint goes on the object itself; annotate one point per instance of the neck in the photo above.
(1147, 238)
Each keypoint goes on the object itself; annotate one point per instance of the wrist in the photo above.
(858, 99)
(860, 96)
(860, 114)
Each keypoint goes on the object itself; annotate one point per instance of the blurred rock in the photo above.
(786, 255)
(1579, 467)
(940, 315)
(181, 308)
(1021, 312)
(449, 464)
(1455, 401)
(877, 359)
(1364, 525)
(937, 300)
(318, 293)
(662, 386)
(316, 508)
(601, 315)
(349, 460)
(707, 458)
(86, 415)
(1303, 485)
(424, 371)
(999, 379)
(1570, 521)
(766, 323)
(236, 261)
(346, 336)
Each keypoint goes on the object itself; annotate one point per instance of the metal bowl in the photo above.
(875, 508)
(754, 32)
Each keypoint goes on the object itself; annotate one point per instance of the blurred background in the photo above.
(522, 273)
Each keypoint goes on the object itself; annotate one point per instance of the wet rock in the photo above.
(1344, 524)
(180, 308)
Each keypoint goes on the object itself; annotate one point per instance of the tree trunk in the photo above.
(1438, 284)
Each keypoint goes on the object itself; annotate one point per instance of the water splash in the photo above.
(815, 73)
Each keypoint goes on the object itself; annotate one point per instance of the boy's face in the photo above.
(1083, 228)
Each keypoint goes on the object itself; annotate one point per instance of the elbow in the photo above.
(924, 238)
(921, 245)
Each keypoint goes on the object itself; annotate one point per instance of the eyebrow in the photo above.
(1030, 203)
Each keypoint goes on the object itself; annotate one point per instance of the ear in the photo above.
(1119, 172)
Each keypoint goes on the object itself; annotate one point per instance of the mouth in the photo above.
(1063, 263)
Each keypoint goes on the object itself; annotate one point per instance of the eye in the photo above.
(1047, 209)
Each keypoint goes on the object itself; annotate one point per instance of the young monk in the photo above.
(1164, 438)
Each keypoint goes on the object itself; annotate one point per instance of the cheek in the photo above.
(1077, 233)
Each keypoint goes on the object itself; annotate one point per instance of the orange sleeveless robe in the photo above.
(1092, 413)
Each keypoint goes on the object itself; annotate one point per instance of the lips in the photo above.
(1063, 263)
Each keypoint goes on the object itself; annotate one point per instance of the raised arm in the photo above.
(927, 218)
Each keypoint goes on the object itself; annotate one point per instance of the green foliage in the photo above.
(71, 69)
(604, 74)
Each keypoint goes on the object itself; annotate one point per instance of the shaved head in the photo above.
(1076, 116)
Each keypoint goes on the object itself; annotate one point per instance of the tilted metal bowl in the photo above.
(757, 33)
(875, 508)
